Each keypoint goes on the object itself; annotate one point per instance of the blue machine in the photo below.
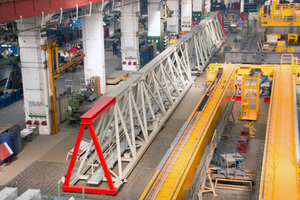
(264, 87)
(60, 58)
(264, 79)
(11, 47)
(227, 48)
(11, 135)
(9, 98)
(5, 101)
(146, 54)
(77, 22)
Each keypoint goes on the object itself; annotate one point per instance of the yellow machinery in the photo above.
(211, 72)
(279, 179)
(172, 40)
(281, 15)
(267, 70)
(172, 181)
(293, 37)
(54, 72)
(247, 112)
(281, 47)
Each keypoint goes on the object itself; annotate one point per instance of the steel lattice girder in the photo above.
(125, 128)
(205, 40)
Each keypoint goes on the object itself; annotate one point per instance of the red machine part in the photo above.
(86, 120)
(243, 142)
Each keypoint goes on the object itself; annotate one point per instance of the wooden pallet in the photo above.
(231, 182)
(115, 77)
(215, 174)
(234, 184)
(113, 81)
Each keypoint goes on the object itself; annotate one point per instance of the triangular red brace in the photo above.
(86, 120)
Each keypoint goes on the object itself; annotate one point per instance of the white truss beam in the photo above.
(145, 102)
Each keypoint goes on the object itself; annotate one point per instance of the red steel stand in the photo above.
(86, 120)
(8, 165)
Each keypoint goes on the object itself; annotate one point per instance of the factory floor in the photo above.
(43, 162)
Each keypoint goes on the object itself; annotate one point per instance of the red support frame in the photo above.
(221, 23)
(86, 120)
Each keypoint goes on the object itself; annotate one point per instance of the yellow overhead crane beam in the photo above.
(279, 177)
(242, 69)
(173, 179)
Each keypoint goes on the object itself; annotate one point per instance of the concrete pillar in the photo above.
(93, 45)
(197, 10)
(242, 6)
(130, 35)
(207, 5)
(155, 24)
(186, 15)
(35, 75)
(173, 21)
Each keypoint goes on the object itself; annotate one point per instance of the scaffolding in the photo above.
(230, 155)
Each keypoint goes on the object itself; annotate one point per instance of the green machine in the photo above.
(117, 26)
(92, 89)
(73, 106)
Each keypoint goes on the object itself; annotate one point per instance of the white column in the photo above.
(155, 25)
(130, 36)
(93, 45)
(207, 5)
(186, 15)
(34, 72)
(197, 5)
(242, 6)
(173, 21)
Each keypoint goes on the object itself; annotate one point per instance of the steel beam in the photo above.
(129, 118)
(21, 9)
(255, 57)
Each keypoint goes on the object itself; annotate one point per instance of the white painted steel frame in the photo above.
(143, 104)
(205, 40)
